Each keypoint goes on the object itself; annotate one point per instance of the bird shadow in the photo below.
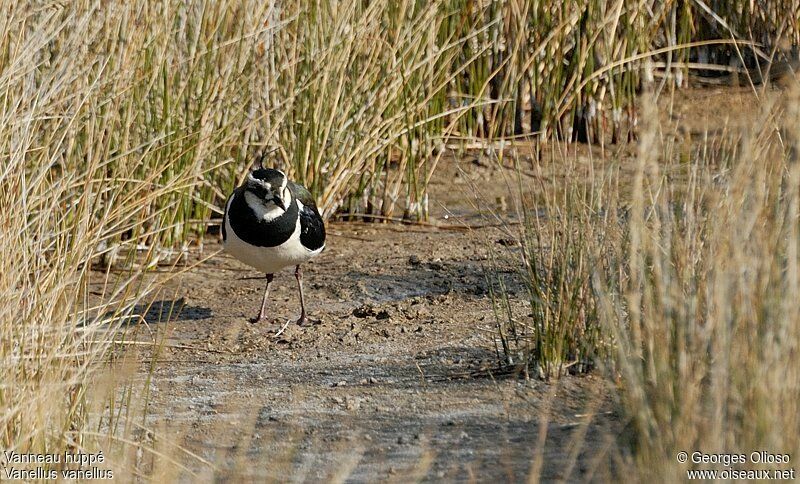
(160, 311)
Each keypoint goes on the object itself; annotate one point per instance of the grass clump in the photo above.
(354, 101)
(82, 190)
(704, 317)
(559, 244)
(679, 281)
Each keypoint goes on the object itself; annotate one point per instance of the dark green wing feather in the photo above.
(312, 234)
(301, 193)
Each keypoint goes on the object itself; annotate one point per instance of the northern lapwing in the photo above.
(271, 223)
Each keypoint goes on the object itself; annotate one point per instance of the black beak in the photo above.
(279, 202)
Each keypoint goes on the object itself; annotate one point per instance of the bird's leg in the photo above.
(263, 314)
(298, 274)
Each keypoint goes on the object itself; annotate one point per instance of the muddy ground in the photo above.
(398, 380)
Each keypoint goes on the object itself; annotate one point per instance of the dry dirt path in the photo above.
(384, 388)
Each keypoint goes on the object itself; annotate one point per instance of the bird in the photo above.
(271, 223)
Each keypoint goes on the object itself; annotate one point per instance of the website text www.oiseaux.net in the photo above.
(760, 459)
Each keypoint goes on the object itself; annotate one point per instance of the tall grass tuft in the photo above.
(680, 279)
(353, 100)
(559, 243)
(88, 186)
(705, 315)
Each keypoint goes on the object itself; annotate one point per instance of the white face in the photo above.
(266, 208)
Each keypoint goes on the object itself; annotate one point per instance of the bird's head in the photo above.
(268, 187)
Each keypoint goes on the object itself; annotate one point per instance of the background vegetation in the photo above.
(123, 125)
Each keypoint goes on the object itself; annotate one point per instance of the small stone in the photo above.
(363, 311)
(436, 265)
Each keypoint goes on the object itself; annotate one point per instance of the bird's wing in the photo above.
(312, 235)
(301, 193)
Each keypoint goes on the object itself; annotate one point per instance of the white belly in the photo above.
(268, 259)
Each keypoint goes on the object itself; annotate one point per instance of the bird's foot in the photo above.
(265, 321)
(306, 321)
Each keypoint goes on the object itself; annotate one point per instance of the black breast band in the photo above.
(258, 232)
